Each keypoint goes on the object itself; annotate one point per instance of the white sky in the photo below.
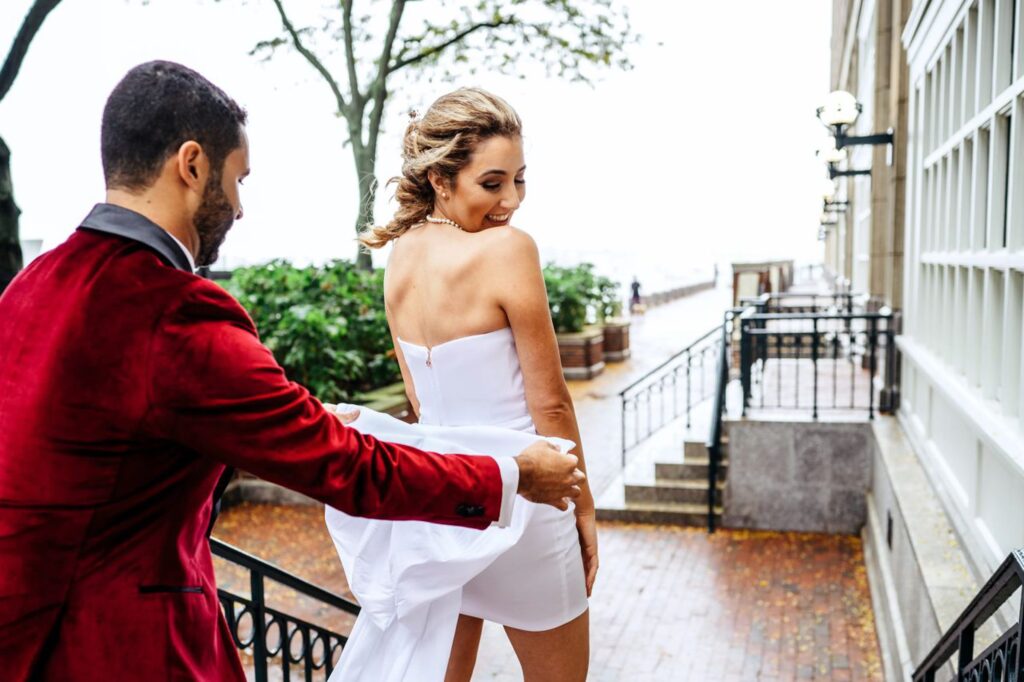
(703, 153)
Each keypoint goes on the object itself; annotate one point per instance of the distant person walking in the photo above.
(635, 302)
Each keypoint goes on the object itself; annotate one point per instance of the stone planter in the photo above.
(244, 487)
(616, 340)
(582, 353)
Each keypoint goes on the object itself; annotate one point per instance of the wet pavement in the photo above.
(670, 603)
(654, 336)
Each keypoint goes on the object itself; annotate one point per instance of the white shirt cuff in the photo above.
(509, 486)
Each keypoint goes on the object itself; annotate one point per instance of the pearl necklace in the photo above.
(444, 221)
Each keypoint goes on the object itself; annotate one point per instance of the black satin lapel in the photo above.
(131, 225)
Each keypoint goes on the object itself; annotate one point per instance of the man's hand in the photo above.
(547, 476)
(344, 417)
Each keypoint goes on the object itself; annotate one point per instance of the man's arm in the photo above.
(218, 391)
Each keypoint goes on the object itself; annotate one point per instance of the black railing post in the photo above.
(762, 344)
(745, 361)
(688, 389)
(889, 401)
(814, 363)
(307, 650)
(622, 421)
(286, 653)
(872, 343)
(714, 442)
(965, 651)
(259, 625)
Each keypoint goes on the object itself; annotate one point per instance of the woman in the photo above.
(468, 311)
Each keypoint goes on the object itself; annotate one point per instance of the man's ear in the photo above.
(193, 165)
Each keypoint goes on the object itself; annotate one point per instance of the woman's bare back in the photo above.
(439, 285)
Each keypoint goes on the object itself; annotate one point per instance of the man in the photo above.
(127, 384)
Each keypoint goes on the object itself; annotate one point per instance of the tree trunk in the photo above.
(10, 244)
(367, 195)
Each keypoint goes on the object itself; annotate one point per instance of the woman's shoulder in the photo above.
(515, 244)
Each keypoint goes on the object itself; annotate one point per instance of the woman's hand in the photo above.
(586, 526)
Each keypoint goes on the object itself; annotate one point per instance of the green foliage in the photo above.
(576, 296)
(325, 325)
(609, 303)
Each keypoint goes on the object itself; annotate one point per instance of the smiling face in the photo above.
(488, 189)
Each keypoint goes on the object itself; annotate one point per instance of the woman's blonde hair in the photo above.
(443, 141)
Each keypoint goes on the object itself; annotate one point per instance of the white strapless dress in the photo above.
(413, 579)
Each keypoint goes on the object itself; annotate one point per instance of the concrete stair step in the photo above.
(690, 469)
(612, 504)
(689, 491)
(668, 513)
(695, 450)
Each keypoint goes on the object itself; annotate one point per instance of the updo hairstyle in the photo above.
(442, 140)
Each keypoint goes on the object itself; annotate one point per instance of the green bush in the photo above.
(576, 296)
(325, 325)
(609, 303)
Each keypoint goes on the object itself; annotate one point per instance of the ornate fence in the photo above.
(272, 636)
(1000, 661)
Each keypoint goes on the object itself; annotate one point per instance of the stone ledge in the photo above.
(797, 476)
(910, 538)
(897, 663)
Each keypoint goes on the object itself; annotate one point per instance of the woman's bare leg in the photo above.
(464, 649)
(558, 655)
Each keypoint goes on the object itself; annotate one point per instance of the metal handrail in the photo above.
(714, 442)
(798, 294)
(289, 628)
(665, 376)
(811, 316)
(675, 356)
(818, 302)
(1001, 656)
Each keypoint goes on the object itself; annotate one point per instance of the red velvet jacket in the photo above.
(126, 385)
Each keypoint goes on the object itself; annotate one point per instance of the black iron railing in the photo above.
(669, 391)
(817, 361)
(791, 302)
(999, 661)
(722, 378)
(301, 647)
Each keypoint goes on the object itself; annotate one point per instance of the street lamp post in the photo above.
(834, 172)
(840, 111)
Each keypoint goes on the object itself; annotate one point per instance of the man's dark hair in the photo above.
(157, 107)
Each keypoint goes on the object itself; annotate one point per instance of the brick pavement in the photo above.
(670, 603)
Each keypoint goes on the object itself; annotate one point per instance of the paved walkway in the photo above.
(671, 604)
(654, 337)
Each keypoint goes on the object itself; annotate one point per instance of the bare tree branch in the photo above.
(430, 51)
(350, 56)
(311, 58)
(379, 92)
(575, 35)
(19, 48)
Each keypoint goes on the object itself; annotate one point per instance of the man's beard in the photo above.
(212, 221)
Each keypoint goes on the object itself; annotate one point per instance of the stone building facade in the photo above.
(937, 231)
